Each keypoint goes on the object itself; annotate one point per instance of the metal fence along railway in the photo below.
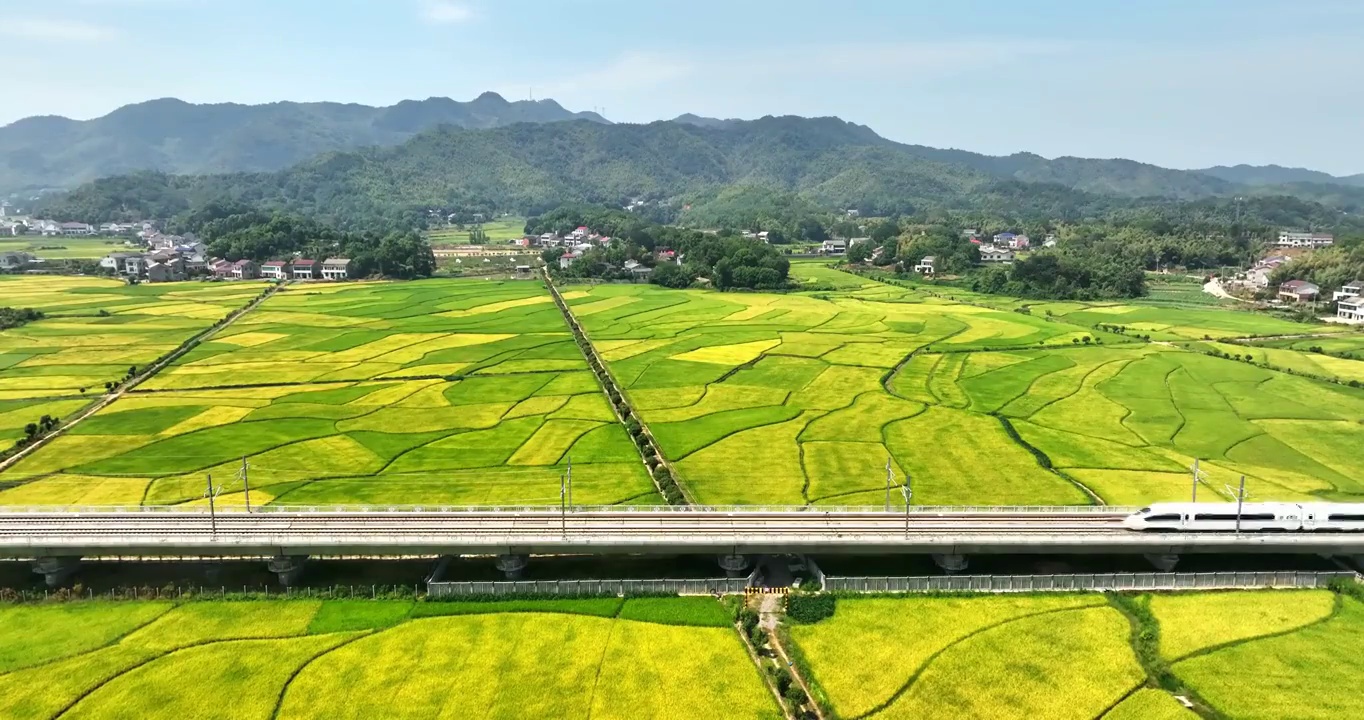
(722, 586)
(1097, 582)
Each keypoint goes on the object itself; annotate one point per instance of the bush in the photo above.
(633, 426)
(662, 474)
(794, 695)
(809, 609)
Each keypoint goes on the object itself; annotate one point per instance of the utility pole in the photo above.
(246, 483)
(890, 478)
(563, 509)
(570, 482)
(212, 507)
(1240, 503)
(1195, 481)
(909, 495)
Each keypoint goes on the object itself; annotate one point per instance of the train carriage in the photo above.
(1218, 517)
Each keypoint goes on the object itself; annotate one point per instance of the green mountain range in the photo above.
(689, 164)
(177, 137)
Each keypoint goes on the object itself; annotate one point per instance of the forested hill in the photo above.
(735, 173)
(1278, 175)
(177, 137)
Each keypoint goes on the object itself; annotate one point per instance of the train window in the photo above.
(1346, 518)
(1164, 518)
(1144, 511)
(1231, 517)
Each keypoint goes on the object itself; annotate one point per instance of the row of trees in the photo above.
(15, 317)
(235, 233)
(728, 261)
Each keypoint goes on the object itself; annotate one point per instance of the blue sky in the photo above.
(1185, 83)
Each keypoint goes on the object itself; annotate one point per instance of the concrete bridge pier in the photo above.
(56, 570)
(733, 565)
(1163, 563)
(951, 563)
(288, 568)
(512, 565)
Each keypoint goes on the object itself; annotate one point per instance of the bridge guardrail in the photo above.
(579, 509)
(1092, 582)
(723, 586)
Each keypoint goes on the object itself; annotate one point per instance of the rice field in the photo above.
(64, 248)
(97, 329)
(822, 390)
(348, 659)
(995, 657)
(1300, 663)
(1241, 654)
(440, 392)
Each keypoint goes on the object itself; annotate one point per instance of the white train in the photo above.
(1255, 517)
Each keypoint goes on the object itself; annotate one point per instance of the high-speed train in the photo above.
(1254, 517)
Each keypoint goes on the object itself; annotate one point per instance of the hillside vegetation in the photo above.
(173, 136)
(732, 174)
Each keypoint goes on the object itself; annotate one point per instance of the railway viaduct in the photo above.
(286, 537)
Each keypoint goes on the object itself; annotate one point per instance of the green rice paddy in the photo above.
(473, 392)
(1243, 655)
(822, 390)
(63, 248)
(439, 392)
(346, 659)
(97, 329)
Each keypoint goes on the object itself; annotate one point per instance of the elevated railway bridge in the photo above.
(56, 539)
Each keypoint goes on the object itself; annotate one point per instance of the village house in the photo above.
(126, 264)
(637, 270)
(1299, 291)
(926, 266)
(1295, 239)
(1349, 290)
(992, 254)
(336, 269)
(1050, 242)
(1004, 239)
(245, 270)
(75, 229)
(567, 259)
(15, 260)
(1020, 242)
(834, 247)
(221, 268)
(306, 269)
(276, 270)
(1351, 309)
(172, 270)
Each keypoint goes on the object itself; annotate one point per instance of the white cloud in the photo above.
(58, 30)
(445, 12)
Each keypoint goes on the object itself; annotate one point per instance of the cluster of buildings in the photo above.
(21, 225)
(1257, 278)
(580, 240)
(171, 258)
(295, 269)
(1349, 299)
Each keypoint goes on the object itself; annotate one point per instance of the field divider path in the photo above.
(758, 665)
(146, 374)
(773, 637)
(645, 443)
